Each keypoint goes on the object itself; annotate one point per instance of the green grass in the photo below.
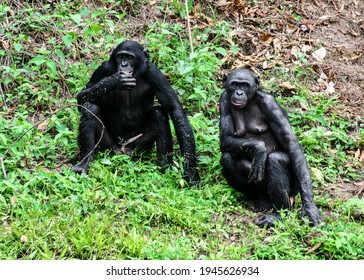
(126, 209)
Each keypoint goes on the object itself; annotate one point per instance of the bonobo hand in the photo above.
(257, 170)
(311, 211)
(124, 80)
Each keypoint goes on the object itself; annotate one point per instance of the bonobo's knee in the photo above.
(160, 114)
(90, 108)
(278, 159)
(226, 160)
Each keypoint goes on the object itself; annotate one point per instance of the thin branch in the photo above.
(189, 26)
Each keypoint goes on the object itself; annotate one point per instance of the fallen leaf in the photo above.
(330, 88)
(317, 173)
(287, 87)
(357, 154)
(266, 38)
(333, 151)
(319, 54)
(23, 238)
(42, 126)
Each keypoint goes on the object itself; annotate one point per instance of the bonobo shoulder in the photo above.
(264, 96)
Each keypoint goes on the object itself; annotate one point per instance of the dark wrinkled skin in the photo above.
(121, 93)
(261, 156)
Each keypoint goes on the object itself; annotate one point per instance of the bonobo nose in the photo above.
(239, 92)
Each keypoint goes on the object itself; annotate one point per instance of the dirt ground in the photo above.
(275, 30)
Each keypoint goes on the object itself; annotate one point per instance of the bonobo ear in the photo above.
(224, 79)
(257, 81)
(146, 53)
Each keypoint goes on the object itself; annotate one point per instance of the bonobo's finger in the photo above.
(128, 85)
(256, 175)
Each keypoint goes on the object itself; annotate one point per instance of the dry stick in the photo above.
(3, 96)
(313, 249)
(189, 26)
(25, 132)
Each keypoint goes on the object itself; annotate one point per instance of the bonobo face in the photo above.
(126, 62)
(241, 86)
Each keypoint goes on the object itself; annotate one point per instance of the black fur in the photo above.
(261, 156)
(121, 93)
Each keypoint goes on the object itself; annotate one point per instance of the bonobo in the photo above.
(260, 154)
(121, 94)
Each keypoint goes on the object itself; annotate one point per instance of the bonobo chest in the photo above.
(140, 98)
(249, 120)
(127, 110)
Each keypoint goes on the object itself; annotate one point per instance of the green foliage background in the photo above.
(126, 209)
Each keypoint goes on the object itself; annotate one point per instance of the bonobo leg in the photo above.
(280, 186)
(158, 130)
(90, 131)
(236, 171)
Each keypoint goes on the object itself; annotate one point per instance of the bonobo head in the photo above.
(241, 85)
(130, 59)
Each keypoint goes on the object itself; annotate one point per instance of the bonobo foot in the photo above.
(267, 220)
(122, 151)
(262, 204)
(80, 168)
(191, 176)
(312, 213)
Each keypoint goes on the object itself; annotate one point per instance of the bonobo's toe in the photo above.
(262, 204)
(79, 169)
(267, 220)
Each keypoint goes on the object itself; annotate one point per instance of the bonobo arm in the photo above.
(281, 127)
(94, 92)
(169, 101)
(105, 78)
(248, 148)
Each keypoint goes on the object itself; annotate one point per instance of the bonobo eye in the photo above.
(130, 57)
(245, 84)
(233, 84)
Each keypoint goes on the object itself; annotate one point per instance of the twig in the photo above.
(3, 96)
(55, 112)
(189, 26)
(313, 249)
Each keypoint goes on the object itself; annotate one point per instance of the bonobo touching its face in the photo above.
(121, 94)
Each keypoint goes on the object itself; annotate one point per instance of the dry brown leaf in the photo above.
(361, 159)
(266, 38)
(303, 106)
(277, 44)
(23, 238)
(222, 3)
(357, 154)
(287, 87)
(319, 54)
(42, 126)
(330, 89)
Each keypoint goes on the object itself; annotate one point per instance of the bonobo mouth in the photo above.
(238, 104)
